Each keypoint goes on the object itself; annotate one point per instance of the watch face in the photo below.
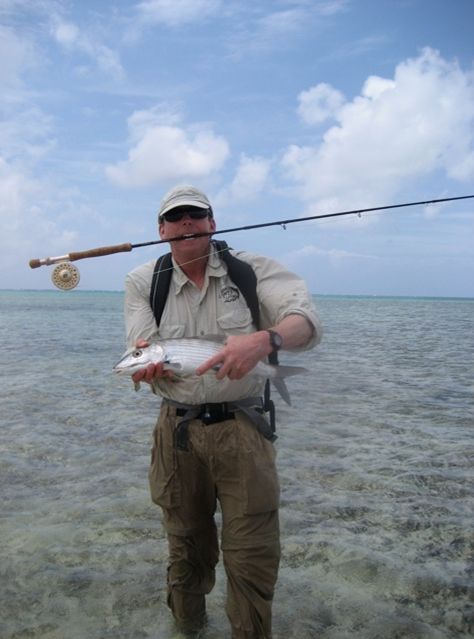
(275, 340)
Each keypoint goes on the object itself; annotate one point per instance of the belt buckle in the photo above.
(206, 415)
(214, 413)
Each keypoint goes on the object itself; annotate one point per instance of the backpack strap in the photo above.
(243, 276)
(160, 285)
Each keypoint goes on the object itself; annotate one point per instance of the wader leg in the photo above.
(191, 576)
(249, 497)
(251, 576)
(181, 484)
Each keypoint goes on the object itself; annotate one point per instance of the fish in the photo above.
(183, 356)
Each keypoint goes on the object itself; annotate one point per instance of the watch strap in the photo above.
(275, 340)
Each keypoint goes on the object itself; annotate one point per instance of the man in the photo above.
(223, 455)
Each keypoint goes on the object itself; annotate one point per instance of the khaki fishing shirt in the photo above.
(218, 308)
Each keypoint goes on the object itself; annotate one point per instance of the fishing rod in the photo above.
(66, 275)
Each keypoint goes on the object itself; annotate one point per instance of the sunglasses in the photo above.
(175, 215)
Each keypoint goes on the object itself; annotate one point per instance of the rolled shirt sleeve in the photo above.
(139, 319)
(282, 293)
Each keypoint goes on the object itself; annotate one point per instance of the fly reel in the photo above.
(65, 276)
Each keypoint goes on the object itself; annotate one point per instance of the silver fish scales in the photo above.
(183, 356)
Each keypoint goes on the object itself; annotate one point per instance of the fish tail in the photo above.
(279, 373)
(288, 371)
(280, 385)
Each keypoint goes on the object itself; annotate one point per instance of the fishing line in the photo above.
(66, 275)
(216, 251)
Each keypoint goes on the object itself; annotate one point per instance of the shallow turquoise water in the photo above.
(375, 460)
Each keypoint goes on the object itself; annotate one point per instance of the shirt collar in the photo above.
(214, 268)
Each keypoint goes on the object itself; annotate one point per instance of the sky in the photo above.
(276, 109)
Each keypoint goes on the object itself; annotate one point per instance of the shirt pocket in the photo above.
(238, 320)
(168, 331)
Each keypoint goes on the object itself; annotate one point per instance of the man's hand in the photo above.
(240, 354)
(151, 371)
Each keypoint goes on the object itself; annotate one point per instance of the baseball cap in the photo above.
(183, 196)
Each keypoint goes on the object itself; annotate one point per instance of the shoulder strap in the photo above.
(160, 285)
(243, 276)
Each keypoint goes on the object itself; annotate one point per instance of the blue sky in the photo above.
(276, 109)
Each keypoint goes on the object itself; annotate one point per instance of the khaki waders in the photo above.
(228, 461)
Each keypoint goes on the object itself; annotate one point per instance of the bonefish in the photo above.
(183, 356)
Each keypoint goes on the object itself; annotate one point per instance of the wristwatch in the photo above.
(276, 340)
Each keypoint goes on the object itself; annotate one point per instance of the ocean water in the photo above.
(375, 460)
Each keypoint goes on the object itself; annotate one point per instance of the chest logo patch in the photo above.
(230, 293)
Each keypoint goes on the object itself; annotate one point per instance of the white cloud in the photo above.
(282, 22)
(66, 34)
(249, 181)
(72, 39)
(25, 129)
(174, 13)
(374, 87)
(24, 224)
(26, 136)
(331, 7)
(395, 131)
(163, 152)
(261, 29)
(141, 121)
(16, 55)
(319, 103)
(463, 169)
(26, 133)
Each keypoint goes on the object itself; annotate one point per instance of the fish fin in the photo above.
(280, 372)
(175, 367)
(280, 385)
(288, 371)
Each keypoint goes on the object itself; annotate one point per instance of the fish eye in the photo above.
(137, 353)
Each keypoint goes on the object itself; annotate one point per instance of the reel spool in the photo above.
(65, 276)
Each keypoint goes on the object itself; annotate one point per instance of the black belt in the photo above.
(210, 413)
(214, 413)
